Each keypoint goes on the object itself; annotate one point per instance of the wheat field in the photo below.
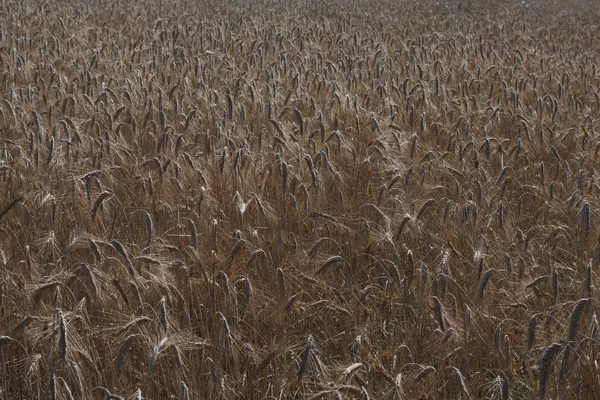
(299, 199)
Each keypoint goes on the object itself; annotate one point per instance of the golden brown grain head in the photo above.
(239, 199)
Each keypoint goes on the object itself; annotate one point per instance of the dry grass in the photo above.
(299, 199)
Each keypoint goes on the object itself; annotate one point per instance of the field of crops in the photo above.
(299, 199)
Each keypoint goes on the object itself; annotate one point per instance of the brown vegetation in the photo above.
(299, 200)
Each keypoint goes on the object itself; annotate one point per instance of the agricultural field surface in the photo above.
(259, 199)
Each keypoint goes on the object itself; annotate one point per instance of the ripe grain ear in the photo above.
(585, 219)
(62, 338)
(149, 232)
(545, 366)
(427, 204)
(10, 206)
(193, 235)
(438, 313)
(102, 197)
(484, 282)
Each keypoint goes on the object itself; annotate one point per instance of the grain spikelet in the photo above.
(9, 207)
(587, 284)
(102, 197)
(508, 263)
(564, 364)
(121, 250)
(122, 354)
(399, 389)
(424, 372)
(52, 386)
(585, 218)
(291, 301)
(545, 366)
(304, 356)
(193, 235)
(62, 335)
(149, 229)
(91, 279)
(537, 281)
(317, 214)
(531, 331)
(438, 313)
(185, 392)
(351, 369)
(156, 351)
(255, 254)
(428, 203)
(410, 266)
(95, 250)
(575, 317)
(365, 393)
(23, 324)
(484, 281)
(460, 382)
(277, 127)
(594, 329)
(162, 310)
(403, 223)
(355, 346)
(134, 322)
(330, 261)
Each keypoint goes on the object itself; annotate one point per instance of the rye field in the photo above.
(299, 199)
